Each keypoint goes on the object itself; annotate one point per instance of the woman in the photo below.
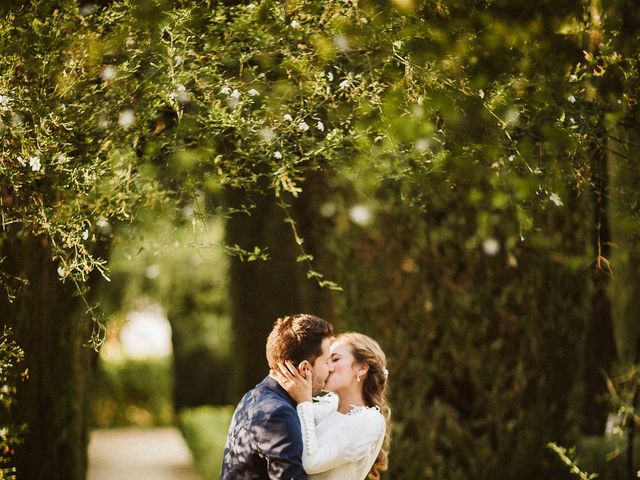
(345, 433)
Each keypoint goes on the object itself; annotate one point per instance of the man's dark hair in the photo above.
(297, 338)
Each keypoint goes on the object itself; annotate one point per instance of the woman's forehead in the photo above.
(339, 347)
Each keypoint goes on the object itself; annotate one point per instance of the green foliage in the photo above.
(566, 458)
(11, 375)
(133, 393)
(205, 430)
(605, 456)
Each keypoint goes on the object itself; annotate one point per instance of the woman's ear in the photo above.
(362, 369)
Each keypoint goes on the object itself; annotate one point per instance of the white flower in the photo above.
(180, 94)
(267, 134)
(422, 145)
(152, 271)
(490, 246)
(61, 271)
(251, 6)
(102, 222)
(320, 126)
(225, 90)
(572, 120)
(22, 161)
(571, 98)
(555, 198)
(511, 158)
(303, 127)
(481, 93)
(178, 61)
(85, 235)
(328, 209)
(360, 214)
(4, 102)
(288, 117)
(108, 73)
(344, 84)
(235, 94)
(294, 24)
(253, 92)
(330, 76)
(277, 155)
(34, 163)
(127, 118)
(341, 42)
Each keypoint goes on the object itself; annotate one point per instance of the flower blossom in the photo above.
(225, 90)
(235, 94)
(294, 24)
(253, 92)
(555, 198)
(277, 155)
(320, 126)
(303, 127)
(4, 102)
(288, 117)
(344, 84)
(34, 163)
(571, 98)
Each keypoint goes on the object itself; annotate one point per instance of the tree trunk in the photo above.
(53, 401)
(262, 291)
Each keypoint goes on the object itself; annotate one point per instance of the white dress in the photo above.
(339, 446)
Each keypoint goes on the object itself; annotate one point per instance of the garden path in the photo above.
(139, 454)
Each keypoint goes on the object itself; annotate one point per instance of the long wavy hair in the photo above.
(374, 389)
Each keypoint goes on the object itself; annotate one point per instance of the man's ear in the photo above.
(304, 367)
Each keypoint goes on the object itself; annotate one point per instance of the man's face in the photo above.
(322, 367)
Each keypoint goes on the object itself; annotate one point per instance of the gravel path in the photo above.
(139, 454)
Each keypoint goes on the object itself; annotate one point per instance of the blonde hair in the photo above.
(367, 351)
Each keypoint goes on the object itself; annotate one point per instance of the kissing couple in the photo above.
(321, 413)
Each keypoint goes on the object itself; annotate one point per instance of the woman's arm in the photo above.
(353, 439)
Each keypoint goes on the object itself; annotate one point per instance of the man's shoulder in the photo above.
(264, 399)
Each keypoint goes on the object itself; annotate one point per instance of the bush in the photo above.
(205, 430)
(133, 393)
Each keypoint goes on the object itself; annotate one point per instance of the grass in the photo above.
(205, 431)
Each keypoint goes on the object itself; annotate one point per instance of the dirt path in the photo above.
(139, 454)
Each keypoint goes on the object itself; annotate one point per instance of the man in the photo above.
(265, 439)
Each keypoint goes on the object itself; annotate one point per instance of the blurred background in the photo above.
(457, 179)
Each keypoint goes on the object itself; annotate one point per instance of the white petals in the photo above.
(320, 126)
(481, 93)
(85, 235)
(277, 155)
(344, 84)
(288, 117)
(490, 246)
(303, 127)
(61, 271)
(571, 98)
(127, 118)
(555, 198)
(225, 91)
(235, 94)
(294, 24)
(251, 6)
(108, 73)
(360, 214)
(4, 102)
(330, 76)
(254, 93)
(34, 163)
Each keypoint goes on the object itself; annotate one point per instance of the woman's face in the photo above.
(345, 369)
